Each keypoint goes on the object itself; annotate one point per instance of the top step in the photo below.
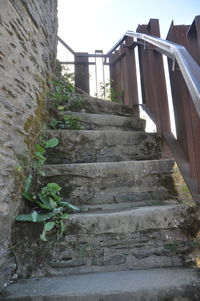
(95, 105)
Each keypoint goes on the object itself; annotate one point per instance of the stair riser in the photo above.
(113, 182)
(115, 252)
(97, 146)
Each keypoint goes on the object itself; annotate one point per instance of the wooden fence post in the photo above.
(123, 73)
(153, 82)
(82, 71)
(187, 120)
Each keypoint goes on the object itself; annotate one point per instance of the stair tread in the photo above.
(104, 164)
(137, 211)
(100, 116)
(100, 168)
(113, 207)
(123, 285)
(104, 132)
(131, 220)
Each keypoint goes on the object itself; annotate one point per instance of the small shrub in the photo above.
(69, 122)
(46, 203)
(110, 93)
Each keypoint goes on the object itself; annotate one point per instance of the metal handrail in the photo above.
(94, 55)
(188, 66)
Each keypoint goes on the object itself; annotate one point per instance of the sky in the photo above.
(87, 25)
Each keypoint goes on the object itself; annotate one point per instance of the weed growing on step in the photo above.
(184, 194)
(108, 92)
(172, 246)
(45, 202)
(62, 95)
(70, 122)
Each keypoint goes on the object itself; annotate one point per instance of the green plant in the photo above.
(70, 122)
(63, 94)
(46, 202)
(61, 91)
(39, 154)
(51, 210)
(172, 246)
(110, 93)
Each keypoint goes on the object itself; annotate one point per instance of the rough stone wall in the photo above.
(28, 30)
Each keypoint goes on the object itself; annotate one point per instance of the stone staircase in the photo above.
(129, 241)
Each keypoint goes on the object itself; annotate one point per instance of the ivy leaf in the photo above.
(52, 203)
(61, 108)
(41, 173)
(42, 217)
(65, 216)
(34, 216)
(62, 227)
(39, 156)
(28, 196)
(51, 143)
(44, 206)
(43, 236)
(24, 218)
(58, 210)
(47, 227)
(69, 206)
(39, 148)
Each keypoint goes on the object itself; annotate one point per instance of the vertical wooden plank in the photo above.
(153, 82)
(82, 71)
(123, 73)
(193, 46)
(115, 73)
(131, 72)
(178, 89)
(187, 120)
(193, 36)
(124, 76)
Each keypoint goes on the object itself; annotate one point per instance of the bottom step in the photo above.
(152, 285)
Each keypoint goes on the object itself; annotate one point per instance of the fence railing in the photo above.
(81, 62)
(182, 48)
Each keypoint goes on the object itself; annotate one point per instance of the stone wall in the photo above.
(28, 30)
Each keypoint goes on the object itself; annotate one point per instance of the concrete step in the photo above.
(95, 105)
(113, 207)
(103, 146)
(130, 221)
(141, 238)
(147, 285)
(113, 182)
(109, 122)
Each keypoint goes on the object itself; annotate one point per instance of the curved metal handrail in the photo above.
(188, 66)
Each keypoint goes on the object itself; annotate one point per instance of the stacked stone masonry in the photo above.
(28, 31)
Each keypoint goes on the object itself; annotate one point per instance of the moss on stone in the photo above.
(35, 123)
(168, 182)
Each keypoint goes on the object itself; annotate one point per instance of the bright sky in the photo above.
(87, 25)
